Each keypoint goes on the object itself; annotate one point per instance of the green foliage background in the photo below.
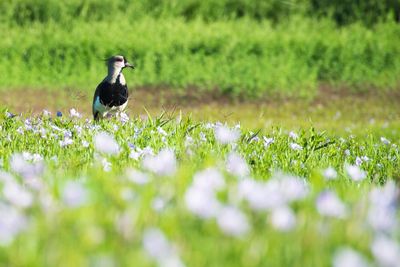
(238, 47)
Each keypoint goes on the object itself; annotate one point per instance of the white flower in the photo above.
(202, 202)
(260, 196)
(291, 187)
(295, 146)
(225, 135)
(330, 173)
(172, 261)
(163, 164)
(85, 143)
(347, 257)
(161, 131)
(105, 143)
(17, 195)
(24, 168)
(386, 251)
(134, 154)
(123, 117)
(209, 179)
(328, 204)
(268, 141)
(73, 113)
(293, 135)
(382, 213)
(46, 113)
(106, 165)
(283, 218)
(137, 177)
(158, 204)
(358, 161)
(158, 247)
(233, 221)
(12, 222)
(156, 244)
(236, 165)
(74, 194)
(385, 141)
(66, 142)
(355, 173)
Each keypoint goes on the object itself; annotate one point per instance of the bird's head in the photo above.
(118, 63)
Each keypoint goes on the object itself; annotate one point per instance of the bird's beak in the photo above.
(129, 65)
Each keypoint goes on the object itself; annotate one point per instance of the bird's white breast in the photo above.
(104, 110)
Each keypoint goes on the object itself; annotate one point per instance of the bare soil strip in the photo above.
(330, 109)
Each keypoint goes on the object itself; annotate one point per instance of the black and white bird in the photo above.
(111, 95)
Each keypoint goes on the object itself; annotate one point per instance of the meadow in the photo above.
(169, 191)
(260, 133)
(51, 44)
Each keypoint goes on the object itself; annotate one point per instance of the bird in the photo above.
(111, 95)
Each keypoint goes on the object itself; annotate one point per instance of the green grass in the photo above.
(109, 225)
(239, 57)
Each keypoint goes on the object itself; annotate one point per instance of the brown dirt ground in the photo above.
(330, 105)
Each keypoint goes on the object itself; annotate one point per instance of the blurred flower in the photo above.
(73, 113)
(9, 115)
(163, 164)
(203, 137)
(281, 189)
(158, 247)
(293, 135)
(382, 213)
(106, 165)
(291, 187)
(386, 251)
(225, 135)
(24, 168)
(123, 117)
(347, 257)
(161, 131)
(134, 154)
(74, 194)
(385, 141)
(328, 204)
(59, 114)
(283, 218)
(137, 177)
(330, 173)
(355, 173)
(12, 222)
(233, 221)
(209, 179)
(17, 195)
(66, 142)
(85, 143)
(268, 141)
(105, 143)
(236, 165)
(295, 146)
(46, 113)
(158, 204)
(202, 202)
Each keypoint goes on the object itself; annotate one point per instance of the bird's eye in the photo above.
(119, 59)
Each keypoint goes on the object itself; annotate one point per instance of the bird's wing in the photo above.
(97, 93)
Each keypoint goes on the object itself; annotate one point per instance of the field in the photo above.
(170, 191)
(258, 133)
(241, 56)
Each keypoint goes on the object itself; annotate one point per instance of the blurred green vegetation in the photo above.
(22, 12)
(235, 47)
